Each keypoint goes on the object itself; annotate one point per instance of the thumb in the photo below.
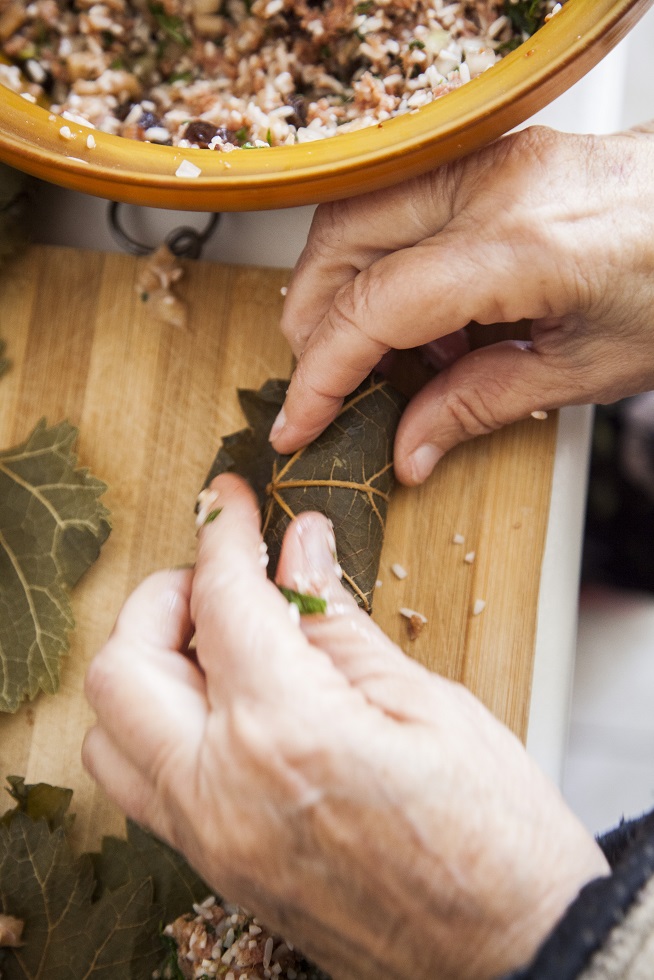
(483, 391)
(356, 646)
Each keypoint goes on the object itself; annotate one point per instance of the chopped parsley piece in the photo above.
(308, 605)
(172, 26)
(526, 15)
(416, 44)
(180, 76)
(364, 8)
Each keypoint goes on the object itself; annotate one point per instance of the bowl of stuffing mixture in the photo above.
(253, 104)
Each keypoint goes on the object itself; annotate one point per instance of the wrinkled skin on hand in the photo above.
(375, 814)
(540, 225)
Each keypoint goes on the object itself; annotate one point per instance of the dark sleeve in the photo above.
(607, 912)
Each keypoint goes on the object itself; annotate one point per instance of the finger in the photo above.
(348, 236)
(149, 698)
(481, 392)
(405, 300)
(119, 778)
(357, 647)
(247, 642)
(158, 612)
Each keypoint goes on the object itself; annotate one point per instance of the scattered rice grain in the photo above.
(188, 169)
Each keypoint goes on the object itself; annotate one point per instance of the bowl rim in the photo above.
(483, 109)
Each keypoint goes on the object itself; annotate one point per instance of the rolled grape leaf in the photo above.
(346, 474)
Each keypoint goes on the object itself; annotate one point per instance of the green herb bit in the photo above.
(212, 515)
(170, 966)
(180, 76)
(269, 138)
(145, 297)
(416, 44)
(526, 15)
(173, 27)
(364, 8)
(241, 134)
(309, 605)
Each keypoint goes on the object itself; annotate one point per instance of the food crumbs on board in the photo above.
(398, 570)
(284, 290)
(479, 606)
(65, 133)
(155, 283)
(378, 583)
(416, 622)
(539, 414)
(188, 169)
(470, 557)
(458, 539)
(90, 141)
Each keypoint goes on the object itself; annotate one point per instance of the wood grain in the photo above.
(151, 403)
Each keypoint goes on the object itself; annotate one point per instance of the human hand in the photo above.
(375, 814)
(540, 225)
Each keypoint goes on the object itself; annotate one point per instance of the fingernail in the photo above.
(278, 424)
(206, 509)
(422, 461)
(320, 565)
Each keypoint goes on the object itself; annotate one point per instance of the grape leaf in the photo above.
(67, 936)
(97, 916)
(52, 526)
(39, 800)
(346, 473)
(176, 885)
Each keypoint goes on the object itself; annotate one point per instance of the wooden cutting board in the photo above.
(151, 403)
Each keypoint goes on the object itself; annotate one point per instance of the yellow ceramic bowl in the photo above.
(568, 46)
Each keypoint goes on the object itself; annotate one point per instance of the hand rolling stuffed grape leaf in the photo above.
(346, 474)
(52, 526)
